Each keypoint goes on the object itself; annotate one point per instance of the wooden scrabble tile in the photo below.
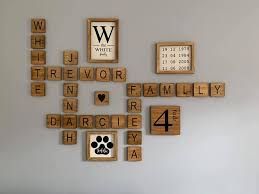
(70, 73)
(101, 97)
(86, 121)
(201, 89)
(184, 89)
(53, 121)
(135, 121)
(134, 137)
(165, 120)
(38, 89)
(150, 89)
(102, 74)
(134, 105)
(86, 73)
(118, 121)
(38, 25)
(69, 121)
(167, 89)
(70, 89)
(37, 73)
(134, 89)
(119, 74)
(38, 41)
(217, 89)
(69, 137)
(134, 153)
(70, 105)
(102, 121)
(70, 57)
(54, 73)
(38, 57)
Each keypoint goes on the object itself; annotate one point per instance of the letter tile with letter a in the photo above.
(134, 153)
(69, 121)
(150, 89)
(165, 120)
(53, 121)
(69, 137)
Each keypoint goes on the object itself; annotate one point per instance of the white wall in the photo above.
(217, 151)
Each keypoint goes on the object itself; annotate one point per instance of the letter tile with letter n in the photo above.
(70, 57)
(53, 121)
(69, 137)
(134, 137)
(135, 121)
(38, 25)
(119, 74)
(86, 121)
(102, 74)
(184, 89)
(217, 89)
(167, 89)
(38, 89)
(134, 153)
(86, 73)
(134, 105)
(69, 121)
(150, 89)
(70, 73)
(118, 121)
(37, 73)
(38, 57)
(54, 73)
(70, 105)
(38, 41)
(70, 89)
(102, 121)
(134, 89)
(165, 120)
(201, 89)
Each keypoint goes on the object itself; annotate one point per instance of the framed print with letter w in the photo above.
(175, 57)
(103, 40)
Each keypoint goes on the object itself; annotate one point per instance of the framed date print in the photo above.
(102, 145)
(175, 57)
(103, 40)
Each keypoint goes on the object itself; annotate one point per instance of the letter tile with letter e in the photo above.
(135, 121)
(38, 89)
(70, 73)
(165, 120)
(69, 137)
(134, 153)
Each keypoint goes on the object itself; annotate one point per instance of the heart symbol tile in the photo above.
(101, 97)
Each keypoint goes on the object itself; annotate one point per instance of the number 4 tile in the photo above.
(165, 120)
